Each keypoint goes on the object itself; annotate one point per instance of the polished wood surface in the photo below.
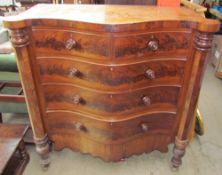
(13, 154)
(110, 14)
(111, 81)
(63, 97)
(155, 72)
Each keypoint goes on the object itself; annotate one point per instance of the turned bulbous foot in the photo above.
(178, 153)
(42, 148)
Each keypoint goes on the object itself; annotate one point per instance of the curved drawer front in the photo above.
(102, 76)
(65, 97)
(170, 44)
(62, 42)
(70, 123)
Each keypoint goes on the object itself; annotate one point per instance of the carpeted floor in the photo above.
(203, 156)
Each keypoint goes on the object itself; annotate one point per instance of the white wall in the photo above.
(5, 2)
(9, 2)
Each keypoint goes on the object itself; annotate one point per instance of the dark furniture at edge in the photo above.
(14, 157)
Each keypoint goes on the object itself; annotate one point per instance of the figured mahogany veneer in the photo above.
(124, 46)
(108, 130)
(66, 97)
(152, 44)
(69, 42)
(111, 81)
(143, 73)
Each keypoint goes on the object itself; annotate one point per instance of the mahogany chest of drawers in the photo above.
(111, 81)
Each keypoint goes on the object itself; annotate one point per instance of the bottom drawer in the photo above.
(112, 151)
(68, 123)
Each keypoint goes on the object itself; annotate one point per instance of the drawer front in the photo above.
(62, 42)
(72, 124)
(164, 44)
(101, 76)
(67, 97)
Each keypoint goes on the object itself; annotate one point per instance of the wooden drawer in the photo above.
(66, 123)
(157, 44)
(108, 76)
(74, 98)
(64, 42)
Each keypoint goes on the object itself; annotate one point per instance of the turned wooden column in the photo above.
(20, 41)
(23, 151)
(202, 44)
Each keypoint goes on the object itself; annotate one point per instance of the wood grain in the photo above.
(111, 81)
(62, 97)
(86, 44)
(124, 76)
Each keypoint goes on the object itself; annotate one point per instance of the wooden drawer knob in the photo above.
(144, 127)
(150, 74)
(73, 72)
(146, 100)
(153, 44)
(70, 44)
(79, 126)
(76, 99)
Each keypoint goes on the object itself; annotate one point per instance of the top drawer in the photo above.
(118, 46)
(64, 42)
(156, 44)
